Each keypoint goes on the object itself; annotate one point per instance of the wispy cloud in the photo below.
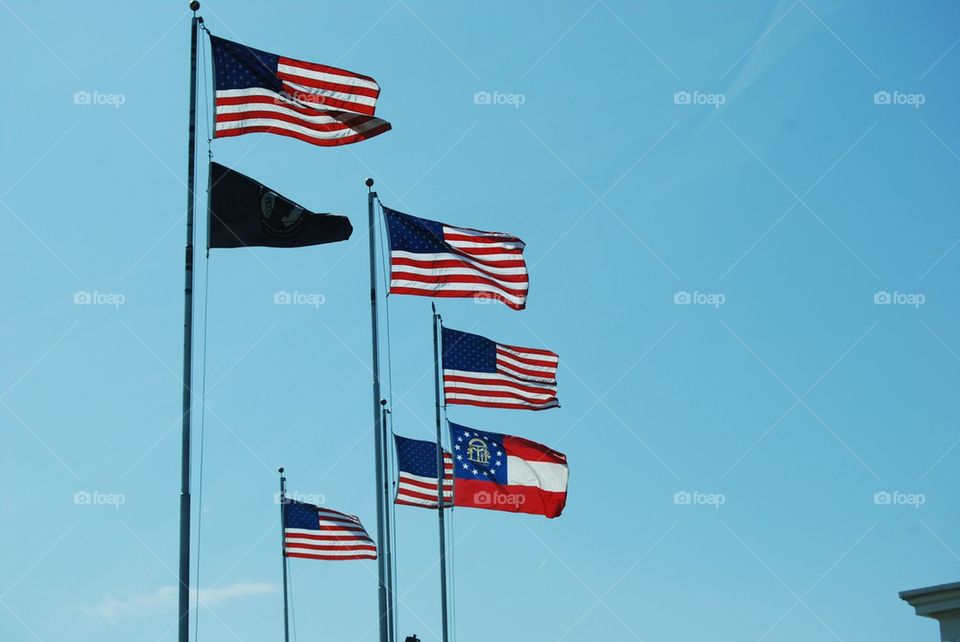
(787, 26)
(112, 608)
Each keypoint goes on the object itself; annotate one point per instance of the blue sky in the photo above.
(742, 237)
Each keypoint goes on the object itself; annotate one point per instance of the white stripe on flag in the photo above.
(544, 475)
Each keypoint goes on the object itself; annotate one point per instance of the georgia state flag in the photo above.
(501, 472)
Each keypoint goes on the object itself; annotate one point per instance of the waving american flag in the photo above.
(322, 534)
(434, 259)
(417, 468)
(481, 372)
(257, 91)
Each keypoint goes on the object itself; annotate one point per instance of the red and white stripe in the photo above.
(414, 490)
(483, 265)
(327, 87)
(253, 110)
(340, 537)
(526, 379)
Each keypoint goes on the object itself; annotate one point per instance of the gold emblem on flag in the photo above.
(478, 452)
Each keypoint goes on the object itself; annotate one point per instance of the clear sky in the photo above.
(773, 460)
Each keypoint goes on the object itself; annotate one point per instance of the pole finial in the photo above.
(383, 402)
(369, 182)
(194, 6)
(280, 470)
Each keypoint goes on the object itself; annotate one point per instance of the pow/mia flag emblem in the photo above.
(245, 213)
(280, 218)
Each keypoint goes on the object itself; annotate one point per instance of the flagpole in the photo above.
(441, 473)
(283, 552)
(377, 425)
(184, 595)
(388, 527)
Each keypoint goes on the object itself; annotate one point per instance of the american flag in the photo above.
(481, 372)
(322, 534)
(257, 91)
(417, 464)
(434, 259)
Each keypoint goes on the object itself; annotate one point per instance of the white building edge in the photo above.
(941, 603)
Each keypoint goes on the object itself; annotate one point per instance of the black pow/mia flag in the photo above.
(243, 213)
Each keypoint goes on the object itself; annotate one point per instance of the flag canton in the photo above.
(412, 234)
(300, 515)
(416, 457)
(478, 455)
(471, 352)
(237, 66)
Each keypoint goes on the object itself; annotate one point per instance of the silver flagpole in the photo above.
(438, 323)
(283, 552)
(377, 424)
(388, 524)
(184, 595)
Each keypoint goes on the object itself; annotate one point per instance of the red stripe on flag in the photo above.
(458, 294)
(320, 142)
(531, 450)
(552, 403)
(514, 499)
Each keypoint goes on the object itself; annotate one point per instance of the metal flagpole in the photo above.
(377, 424)
(437, 322)
(388, 527)
(283, 552)
(184, 597)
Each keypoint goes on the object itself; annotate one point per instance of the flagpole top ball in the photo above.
(194, 6)
(281, 470)
(369, 182)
